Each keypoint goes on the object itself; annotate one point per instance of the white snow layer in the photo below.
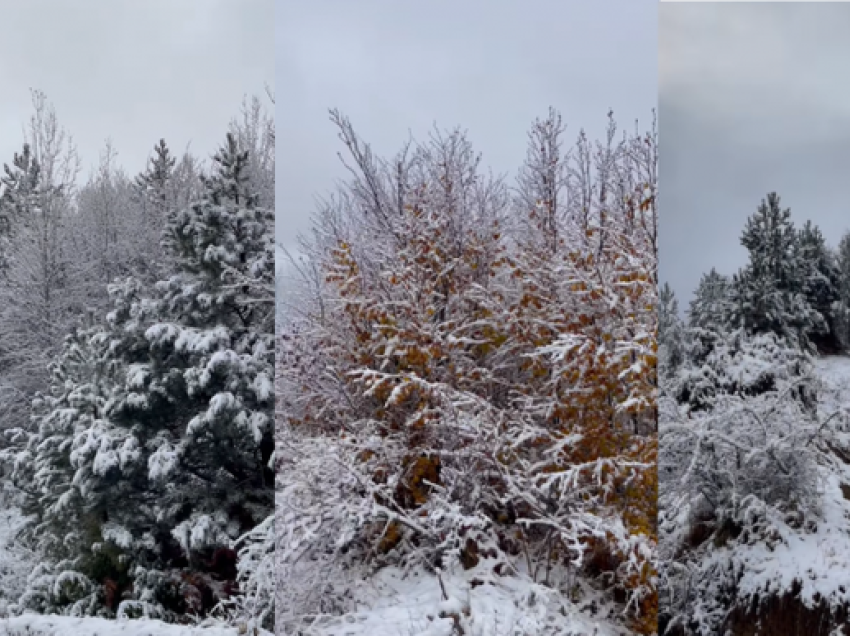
(393, 605)
(39, 625)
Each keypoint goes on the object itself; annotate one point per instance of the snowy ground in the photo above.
(36, 625)
(15, 561)
(820, 561)
(502, 606)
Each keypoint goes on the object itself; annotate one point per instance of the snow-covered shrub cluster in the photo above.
(749, 433)
(466, 374)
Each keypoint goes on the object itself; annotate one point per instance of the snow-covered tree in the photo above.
(458, 388)
(42, 290)
(841, 308)
(747, 438)
(671, 331)
(820, 278)
(769, 294)
(739, 463)
(160, 443)
(711, 307)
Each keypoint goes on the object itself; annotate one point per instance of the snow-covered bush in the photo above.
(467, 379)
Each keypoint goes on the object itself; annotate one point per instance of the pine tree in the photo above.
(168, 461)
(154, 190)
(671, 332)
(820, 279)
(153, 184)
(841, 308)
(70, 518)
(20, 187)
(710, 307)
(769, 292)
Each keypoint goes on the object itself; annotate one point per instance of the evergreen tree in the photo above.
(821, 279)
(769, 292)
(671, 332)
(165, 458)
(841, 308)
(20, 187)
(711, 306)
(70, 524)
(154, 191)
(710, 313)
(153, 183)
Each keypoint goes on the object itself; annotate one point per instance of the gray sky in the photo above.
(134, 71)
(489, 66)
(753, 98)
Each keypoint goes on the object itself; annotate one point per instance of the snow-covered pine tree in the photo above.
(155, 192)
(19, 188)
(769, 292)
(671, 332)
(152, 184)
(175, 464)
(711, 308)
(820, 280)
(841, 308)
(209, 373)
(69, 527)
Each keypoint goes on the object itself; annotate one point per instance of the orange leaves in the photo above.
(414, 358)
(593, 375)
(390, 536)
(420, 474)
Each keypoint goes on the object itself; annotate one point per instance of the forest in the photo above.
(137, 381)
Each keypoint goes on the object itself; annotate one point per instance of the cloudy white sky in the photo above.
(753, 98)
(490, 66)
(134, 71)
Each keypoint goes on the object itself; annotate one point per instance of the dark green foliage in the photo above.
(152, 453)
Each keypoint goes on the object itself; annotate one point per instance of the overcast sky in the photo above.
(134, 71)
(753, 98)
(489, 66)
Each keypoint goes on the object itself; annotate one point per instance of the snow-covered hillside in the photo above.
(818, 562)
(755, 496)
